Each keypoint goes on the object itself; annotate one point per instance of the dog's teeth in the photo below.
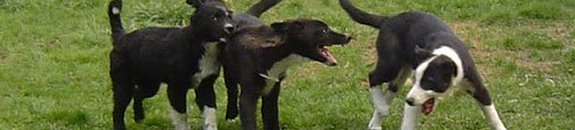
(223, 40)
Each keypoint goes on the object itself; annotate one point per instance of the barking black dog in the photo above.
(420, 42)
(243, 20)
(257, 59)
(183, 58)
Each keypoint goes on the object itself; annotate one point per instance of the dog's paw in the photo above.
(374, 128)
(383, 110)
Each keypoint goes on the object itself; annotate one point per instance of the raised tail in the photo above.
(261, 7)
(360, 16)
(114, 8)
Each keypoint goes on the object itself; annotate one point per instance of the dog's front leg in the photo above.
(206, 101)
(270, 108)
(177, 96)
(248, 101)
(410, 114)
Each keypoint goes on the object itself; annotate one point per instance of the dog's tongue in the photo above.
(427, 106)
(325, 53)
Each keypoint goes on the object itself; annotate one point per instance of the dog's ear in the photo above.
(279, 26)
(195, 3)
(287, 26)
(421, 53)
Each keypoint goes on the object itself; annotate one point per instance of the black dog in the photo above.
(243, 20)
(257, 59)
(420, 42)
(180, 57)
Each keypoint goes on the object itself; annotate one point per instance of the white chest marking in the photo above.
(208, 63)
(274, 73)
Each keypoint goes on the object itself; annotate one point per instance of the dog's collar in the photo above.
(269, 77)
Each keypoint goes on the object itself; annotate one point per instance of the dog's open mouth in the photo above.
(427, 106)
(325, 53)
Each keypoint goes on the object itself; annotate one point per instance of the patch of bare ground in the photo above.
(474, 35)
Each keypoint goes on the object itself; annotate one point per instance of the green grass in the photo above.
(54, 64)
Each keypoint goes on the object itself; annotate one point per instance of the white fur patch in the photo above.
(492, 117)
(374, 122)
(208, 64)
(381, 105)
(278, 68)
(418, 94)
(115, 11)
(449, 52)
(179, 120)
(210, 120)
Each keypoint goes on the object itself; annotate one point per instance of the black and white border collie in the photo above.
(418, 43)
(183, 58)
(257, 59)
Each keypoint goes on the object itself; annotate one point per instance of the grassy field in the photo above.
(54, 64)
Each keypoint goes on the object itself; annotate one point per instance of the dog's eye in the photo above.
(324, 31)
(215, 18)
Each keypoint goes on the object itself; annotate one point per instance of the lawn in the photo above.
(54, 65)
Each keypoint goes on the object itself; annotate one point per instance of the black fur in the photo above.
(408, 40)
(253, 51)
(141, 60)
(243, 20)
(399, 38)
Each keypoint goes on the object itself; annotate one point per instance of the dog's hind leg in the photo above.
(480, 94)
(122, 97)
(388, 68)
(142, 92)
(122, 88)
(206, 101)
(269, 108)
(381, 100)
(177, 95)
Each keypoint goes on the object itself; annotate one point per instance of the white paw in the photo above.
(209, 116)
(374, 122)
(374, 127)
(383, 110)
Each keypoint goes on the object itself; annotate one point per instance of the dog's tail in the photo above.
(360, 16)
(261, 7)
(114, 8)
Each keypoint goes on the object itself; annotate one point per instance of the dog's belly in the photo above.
(208, 64)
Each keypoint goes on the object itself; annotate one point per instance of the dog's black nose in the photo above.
(409, 101)
(229, 28)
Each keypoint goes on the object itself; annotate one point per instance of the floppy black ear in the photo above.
(279, 26)
(422, 54)
(195, 3)
(286, 26)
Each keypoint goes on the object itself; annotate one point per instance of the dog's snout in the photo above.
(229, 28)
(410, 101)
